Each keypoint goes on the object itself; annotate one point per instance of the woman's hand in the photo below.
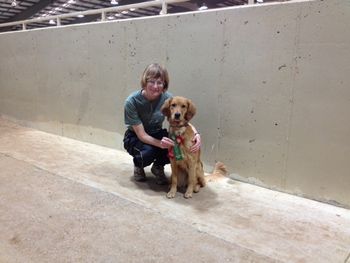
(166, 143)
(196, 143)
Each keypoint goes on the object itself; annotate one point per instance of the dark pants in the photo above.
(145, 154)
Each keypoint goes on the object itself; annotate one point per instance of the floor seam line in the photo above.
(347, 258)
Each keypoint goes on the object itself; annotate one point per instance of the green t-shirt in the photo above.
(138, 109)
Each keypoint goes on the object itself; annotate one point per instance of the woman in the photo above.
(145, 138)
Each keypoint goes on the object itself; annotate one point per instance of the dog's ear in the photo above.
(165, 109)
(191, 110)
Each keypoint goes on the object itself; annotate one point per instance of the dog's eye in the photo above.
(173, 105)
(183, 106)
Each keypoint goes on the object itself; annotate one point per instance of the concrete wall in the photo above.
(271, 83)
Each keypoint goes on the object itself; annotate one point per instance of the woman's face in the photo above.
(154, 88)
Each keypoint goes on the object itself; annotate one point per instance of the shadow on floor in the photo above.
(201, 201)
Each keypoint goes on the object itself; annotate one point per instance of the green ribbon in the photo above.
(177, 150)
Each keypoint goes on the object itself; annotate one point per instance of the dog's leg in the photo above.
(192, 180)
(196, 188)
(173, 186)
(200, 181)
(200, 176)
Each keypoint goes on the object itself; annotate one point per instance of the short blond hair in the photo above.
(155, 71)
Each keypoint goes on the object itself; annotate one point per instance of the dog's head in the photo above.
(178, 109)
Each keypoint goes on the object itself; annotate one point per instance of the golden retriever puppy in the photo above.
(186, 166)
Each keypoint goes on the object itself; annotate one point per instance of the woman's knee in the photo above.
(145, 156)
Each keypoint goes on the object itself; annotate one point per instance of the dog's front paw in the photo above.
(188, 195)
(171, 194)
(196, 188)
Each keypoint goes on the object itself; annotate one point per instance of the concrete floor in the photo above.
(63, 200)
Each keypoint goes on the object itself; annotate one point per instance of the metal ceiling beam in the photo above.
(129, 2)
(178, 9)
(31, 10)
(90, 18)
(85, 19)
(88, 4)
(27, 13)
(209, 3)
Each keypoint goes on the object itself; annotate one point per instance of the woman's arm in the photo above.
(164, 143)
(196, 140)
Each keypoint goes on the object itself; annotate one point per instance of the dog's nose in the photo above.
(177, 115)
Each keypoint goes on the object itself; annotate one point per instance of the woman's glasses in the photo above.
(156, 82)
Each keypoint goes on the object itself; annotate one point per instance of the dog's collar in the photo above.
(179, 126)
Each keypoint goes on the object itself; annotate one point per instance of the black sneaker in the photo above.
(139, 174)
(158, 171)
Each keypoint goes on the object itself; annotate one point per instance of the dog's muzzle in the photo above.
(177, 116)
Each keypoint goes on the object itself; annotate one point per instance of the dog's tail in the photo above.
(219, 172)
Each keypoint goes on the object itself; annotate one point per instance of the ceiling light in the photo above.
(203, 7)
(118, 14)
(52, 22)
(80, 16)
(71, 2)
(125, 12)
(114, 2)
(110, 17)
(132, 9)
(260, 1)
(14, 3)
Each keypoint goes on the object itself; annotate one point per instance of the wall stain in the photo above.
(15, 240)
(282, 66)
